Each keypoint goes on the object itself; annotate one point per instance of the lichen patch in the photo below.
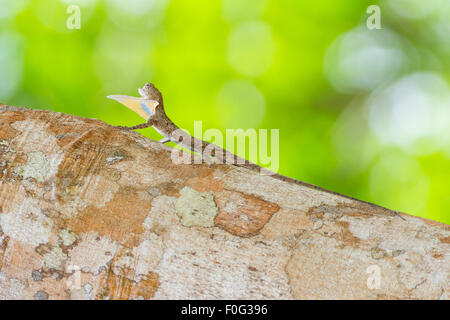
(55, 259)
(196, 209)
(4, 144)
(37, 167)
(116, 156)
(67, 237)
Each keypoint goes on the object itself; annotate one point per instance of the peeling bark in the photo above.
(88, 211)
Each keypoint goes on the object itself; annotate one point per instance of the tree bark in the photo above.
(88, 211)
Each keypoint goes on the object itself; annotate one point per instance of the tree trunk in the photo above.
(88, 211)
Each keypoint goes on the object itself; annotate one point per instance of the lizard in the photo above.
(150, 106)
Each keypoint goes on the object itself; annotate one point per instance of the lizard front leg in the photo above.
(148, 124)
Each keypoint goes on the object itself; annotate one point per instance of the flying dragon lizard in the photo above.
(150, 106)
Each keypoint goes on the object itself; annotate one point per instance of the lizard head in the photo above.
(149, 91)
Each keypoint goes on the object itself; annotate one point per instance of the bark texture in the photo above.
(88, 211)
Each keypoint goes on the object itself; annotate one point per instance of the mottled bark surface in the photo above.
(88, 211)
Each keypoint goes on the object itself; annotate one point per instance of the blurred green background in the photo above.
(362, 112)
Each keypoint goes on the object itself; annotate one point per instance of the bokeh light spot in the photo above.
(239, 104)
(409, 110)
(415, 9)
(360, 60)
(354, 145)
(83, 3)
(251, 48)
(11, 64)
(136, 7)
(137, 14)
(238, 10)
(10, 8)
